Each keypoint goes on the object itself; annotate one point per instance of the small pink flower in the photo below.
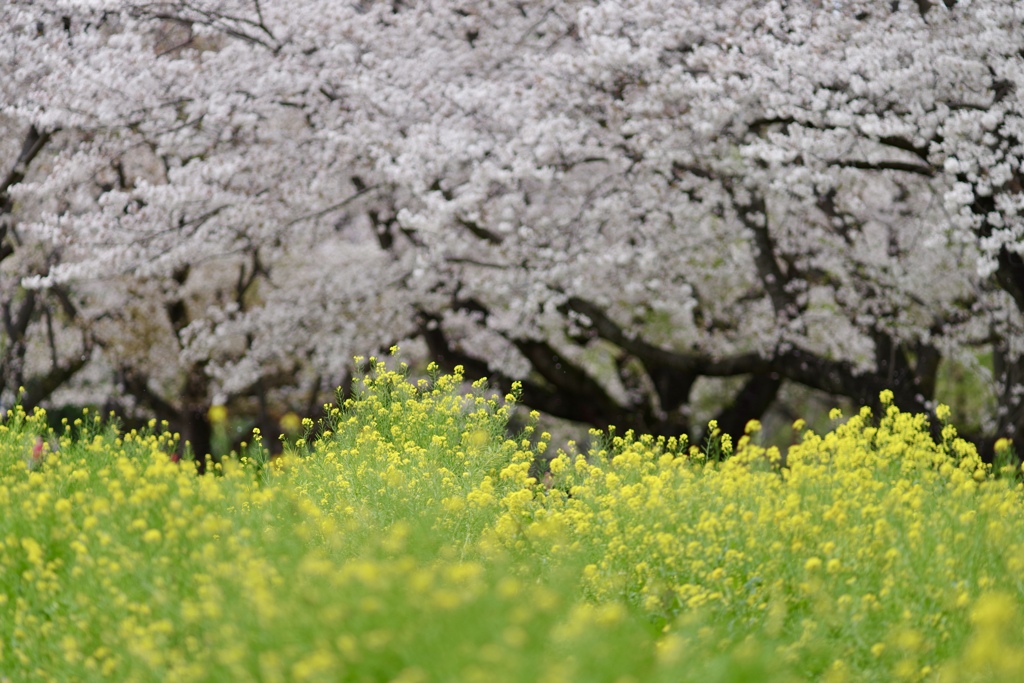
(36, 457)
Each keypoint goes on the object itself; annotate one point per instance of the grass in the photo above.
(409, 539)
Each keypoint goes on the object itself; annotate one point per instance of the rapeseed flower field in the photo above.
(409, 539)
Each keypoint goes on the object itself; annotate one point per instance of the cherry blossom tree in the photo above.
(614, 201)
(208, 256)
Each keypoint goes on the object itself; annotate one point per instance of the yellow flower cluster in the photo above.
(354, 560)
(416, 541)
(858, 555)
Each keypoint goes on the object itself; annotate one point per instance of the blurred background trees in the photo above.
(651, 212)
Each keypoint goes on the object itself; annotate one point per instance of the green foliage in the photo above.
(404, 539)
(967, 387)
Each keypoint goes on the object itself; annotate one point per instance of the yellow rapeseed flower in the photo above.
(217, 414)
(291, 423)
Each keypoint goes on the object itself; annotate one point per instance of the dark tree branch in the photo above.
(752, 401)
(38, 389)
(569, 380)
(920, 152)
(673, 389)
(1010, 275)
(34, 142)
(177, 312)
(222, 22)
(649, 354)
(136, 384)
(546, 397)
(903, 166)
(754, 216)
(480, 232)
(31, 146)
(360, 191)
(16, 323)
